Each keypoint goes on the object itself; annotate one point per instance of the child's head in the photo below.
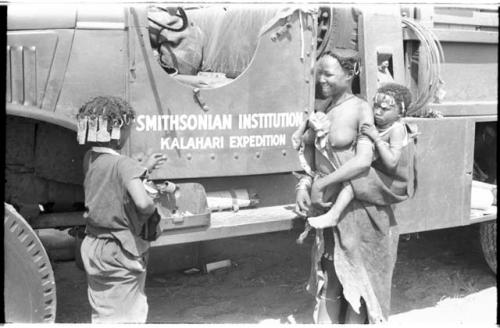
(390, 103)
(113, 113)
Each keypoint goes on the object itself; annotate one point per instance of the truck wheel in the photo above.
(337, 28)
(488, 238)
(29, 285)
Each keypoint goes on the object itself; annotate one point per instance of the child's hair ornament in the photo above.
(93, 128)
(101, 118)
(384, 100)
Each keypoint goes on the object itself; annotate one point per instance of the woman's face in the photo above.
(331, 78)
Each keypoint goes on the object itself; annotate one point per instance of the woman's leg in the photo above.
(351, 317)
(330, 218)
(329, 301)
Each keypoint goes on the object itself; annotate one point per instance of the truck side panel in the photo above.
(276, 81)
(444, 176)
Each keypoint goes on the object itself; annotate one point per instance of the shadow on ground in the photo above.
(266, 281)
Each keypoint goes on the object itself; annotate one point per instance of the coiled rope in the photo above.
(431, 56)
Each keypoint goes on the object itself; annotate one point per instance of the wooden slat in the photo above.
(485, 118)
(457, 35)
(230, 224)
(477, 19)
(469, 7)
(472, 108)
(223, 224)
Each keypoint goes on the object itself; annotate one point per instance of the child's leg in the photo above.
(330, 218)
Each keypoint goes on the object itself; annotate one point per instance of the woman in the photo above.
(352, 263)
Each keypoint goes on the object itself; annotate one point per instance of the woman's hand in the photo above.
(303, 202)
(320, 123)
(317, 194)
(154, 160)
(297, 139)
(370, 131)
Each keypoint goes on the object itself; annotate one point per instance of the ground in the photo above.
(440, 276)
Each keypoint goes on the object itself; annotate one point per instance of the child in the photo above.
(114, 251)
(390, 137)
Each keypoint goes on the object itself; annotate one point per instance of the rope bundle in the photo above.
(431, 55)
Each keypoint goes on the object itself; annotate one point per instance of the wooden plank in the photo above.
(486, 118)
(470, 7)
(223, 224)
(457, 35)
(231, 224)
(472, 108)
(477, 19)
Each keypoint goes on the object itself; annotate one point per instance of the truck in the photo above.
(219, 90)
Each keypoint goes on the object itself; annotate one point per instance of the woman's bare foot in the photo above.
(329, 219)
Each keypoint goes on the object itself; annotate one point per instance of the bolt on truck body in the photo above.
(229, 132)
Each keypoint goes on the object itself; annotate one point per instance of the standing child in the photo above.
(114, 251)
(390, 137)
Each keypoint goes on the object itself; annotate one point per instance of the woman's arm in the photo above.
(350, 169)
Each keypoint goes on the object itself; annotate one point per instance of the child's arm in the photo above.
(143, 202)
(131, 174)
(389, 154)
(135, 187)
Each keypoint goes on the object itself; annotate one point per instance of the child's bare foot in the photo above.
(329, 219)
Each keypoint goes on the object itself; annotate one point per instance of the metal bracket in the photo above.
(199, 100)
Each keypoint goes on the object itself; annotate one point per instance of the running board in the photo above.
(233, 224)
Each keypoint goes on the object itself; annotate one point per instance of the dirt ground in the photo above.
(440, 276)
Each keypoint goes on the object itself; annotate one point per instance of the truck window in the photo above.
(206, 46)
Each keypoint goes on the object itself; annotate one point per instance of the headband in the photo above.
(386, 100)
(94, 128)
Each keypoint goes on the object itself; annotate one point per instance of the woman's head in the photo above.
(336, 69)
(390, 103)
(114, 111)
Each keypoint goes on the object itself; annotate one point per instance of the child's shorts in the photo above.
(116, 282)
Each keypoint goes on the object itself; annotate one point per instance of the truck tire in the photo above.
(29, 285)
(337, 28)
(488, 238)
